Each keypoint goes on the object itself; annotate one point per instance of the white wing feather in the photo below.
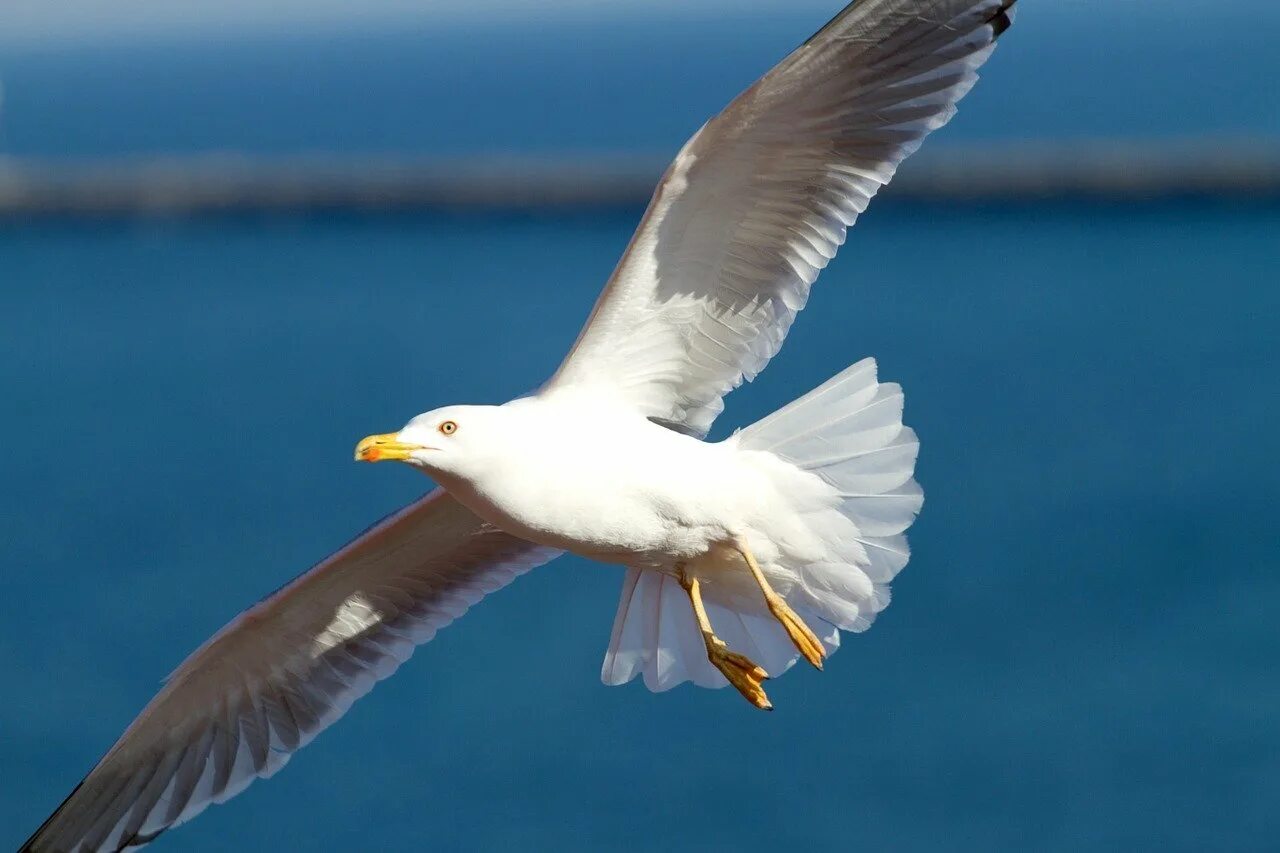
(758, 201)
(284, 670)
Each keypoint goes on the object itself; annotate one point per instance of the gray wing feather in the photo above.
(756, 204)
(284, 670)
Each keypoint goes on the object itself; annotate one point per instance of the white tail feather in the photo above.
(656, 635)
(849, 433)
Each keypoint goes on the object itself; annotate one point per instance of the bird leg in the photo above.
(806, 642)
(742, 672)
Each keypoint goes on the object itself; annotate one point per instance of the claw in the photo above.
(742, 672)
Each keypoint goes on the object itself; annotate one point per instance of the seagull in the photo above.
(741, 556)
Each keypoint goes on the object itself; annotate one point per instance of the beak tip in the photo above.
(367, 449)
(376, 448)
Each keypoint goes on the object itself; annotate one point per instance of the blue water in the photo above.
(1081, 654)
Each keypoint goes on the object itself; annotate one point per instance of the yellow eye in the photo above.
(449, 427)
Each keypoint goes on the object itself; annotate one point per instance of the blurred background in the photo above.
(235, 237)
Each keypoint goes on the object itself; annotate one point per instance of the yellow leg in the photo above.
(742, 672)
(806, 642)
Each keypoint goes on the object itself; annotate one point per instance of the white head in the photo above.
(454, 440)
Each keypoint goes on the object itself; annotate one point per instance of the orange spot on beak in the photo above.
(376, 448)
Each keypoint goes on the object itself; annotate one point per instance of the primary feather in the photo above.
(284, 670)
(756, 204)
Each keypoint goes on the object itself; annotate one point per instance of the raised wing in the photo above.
(757, 203)
(284, 670)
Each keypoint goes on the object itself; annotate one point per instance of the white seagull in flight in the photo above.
(740, 555)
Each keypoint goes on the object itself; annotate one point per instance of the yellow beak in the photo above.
(376, 448)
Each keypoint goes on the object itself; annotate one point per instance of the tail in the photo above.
(848, 432)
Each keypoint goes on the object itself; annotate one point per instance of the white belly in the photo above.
(643, 496)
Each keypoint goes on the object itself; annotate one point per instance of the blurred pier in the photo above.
(1111, 171)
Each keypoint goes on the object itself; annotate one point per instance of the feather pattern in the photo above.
(284, 670)
(757, 203)
(847, 433)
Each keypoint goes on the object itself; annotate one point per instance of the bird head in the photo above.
(446, 440)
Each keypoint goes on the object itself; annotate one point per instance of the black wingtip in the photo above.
(1002, 19)
(30, 846)
(140, 839)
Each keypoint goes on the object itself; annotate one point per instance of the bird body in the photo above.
(563, 471)
(741, 555)
(813, 498)
(539, 464)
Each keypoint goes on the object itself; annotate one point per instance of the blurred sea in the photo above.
(1081, 654)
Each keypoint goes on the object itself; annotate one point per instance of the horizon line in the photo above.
(231, 182)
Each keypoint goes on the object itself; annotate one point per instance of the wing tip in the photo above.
(999, 21)
(1002, 19)
(41, 834)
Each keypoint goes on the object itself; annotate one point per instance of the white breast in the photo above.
(609, 485)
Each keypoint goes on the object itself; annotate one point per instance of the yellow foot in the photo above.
(806, 642)
(742, 672)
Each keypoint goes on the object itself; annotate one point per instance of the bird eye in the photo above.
(449, 427)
